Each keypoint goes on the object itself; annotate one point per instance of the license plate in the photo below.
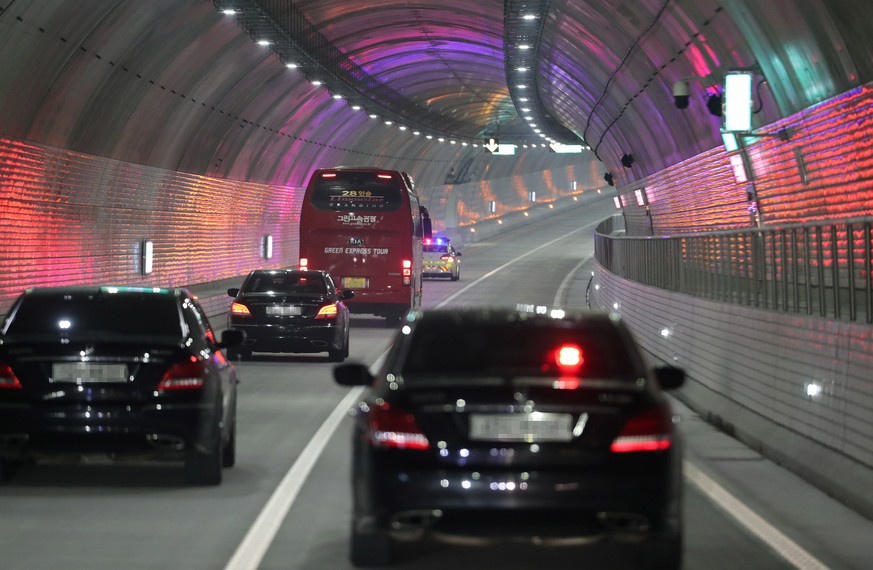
(355, 282)
(284, 310)
(521, 427)
(87, 372)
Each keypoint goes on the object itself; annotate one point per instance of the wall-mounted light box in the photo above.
(532, 196)
(147, 256)
(640, 196)
(738, 101)
(617, 201)
(267, 247)
(492, 206)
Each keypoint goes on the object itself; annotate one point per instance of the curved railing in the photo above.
(820, 268)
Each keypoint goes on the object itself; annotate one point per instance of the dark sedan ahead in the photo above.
(290, 310)
(116, 371)
(540, 427)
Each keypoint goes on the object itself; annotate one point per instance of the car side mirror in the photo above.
(352, 374)
(458, 253)
(233, 292)
(231, 337)
(347, 295)
(670, 377)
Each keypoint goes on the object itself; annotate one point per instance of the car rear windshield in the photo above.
(433, 248)
(357, 191)
(285, 283)
(504, 349)
(97, 313)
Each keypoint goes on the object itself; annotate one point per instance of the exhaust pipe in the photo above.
(14, 439)
(415, 520)
(165, 442)
(624, 522)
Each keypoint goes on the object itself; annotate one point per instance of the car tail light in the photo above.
(304, 264)
(650, 430)
(8, 379)
(188, 375)
(446, 257)
(390, 427)
(239, 310)
(327, 312)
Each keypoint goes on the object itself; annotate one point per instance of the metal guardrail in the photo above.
(821, 268)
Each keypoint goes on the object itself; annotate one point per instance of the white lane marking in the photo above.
(754, 523)
(566, 283)
(251, 550)
(461, 291)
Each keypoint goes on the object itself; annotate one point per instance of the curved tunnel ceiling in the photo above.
(176, 84)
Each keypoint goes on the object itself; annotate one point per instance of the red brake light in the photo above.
(8, 379)
(239, 310)
(647, 431)
(395, 428)
(184, 376)
(327, 312)
(569, 356)
(304, 264)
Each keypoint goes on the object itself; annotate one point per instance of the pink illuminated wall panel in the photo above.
(70, 218)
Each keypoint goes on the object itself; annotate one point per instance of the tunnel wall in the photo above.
(748, 372)
(68, 218)
(73, 218)
(824, 172)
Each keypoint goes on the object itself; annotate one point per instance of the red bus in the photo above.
(365, 226)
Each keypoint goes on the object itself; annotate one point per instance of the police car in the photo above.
(440, 259)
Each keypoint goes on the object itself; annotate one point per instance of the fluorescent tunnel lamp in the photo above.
(738, 101)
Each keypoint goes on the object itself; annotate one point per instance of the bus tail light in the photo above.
(407, 272)
(650, 430)
(391, 427)
(304, 264)
(327, 312)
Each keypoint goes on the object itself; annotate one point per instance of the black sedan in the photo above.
(290, 310)
(548, 428)
(116, 371)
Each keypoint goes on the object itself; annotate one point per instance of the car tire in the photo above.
(369, 549)
(346, 347)
(228, 454)
(204, 469)
(456, 277)
(336, 355)
(662, 553)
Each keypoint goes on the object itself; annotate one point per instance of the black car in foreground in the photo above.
(116, 371)
(290, 310)
(548, 428)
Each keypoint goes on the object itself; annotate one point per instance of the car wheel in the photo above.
(7, 468)
(346, 347)
(368, 549)
(204, 468)
(336, 355)
(457, 276)
(228, 454)
(662, 553)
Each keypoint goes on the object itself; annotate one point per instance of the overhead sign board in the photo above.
(566, 148)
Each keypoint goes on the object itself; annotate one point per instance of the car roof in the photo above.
(288, 272)
(532, 314)
(114, 289)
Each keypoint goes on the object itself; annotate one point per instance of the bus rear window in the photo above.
(356, 191)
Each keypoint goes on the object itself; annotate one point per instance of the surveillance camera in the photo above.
(680, 94)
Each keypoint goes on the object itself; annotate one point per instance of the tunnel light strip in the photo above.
(754, 523)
